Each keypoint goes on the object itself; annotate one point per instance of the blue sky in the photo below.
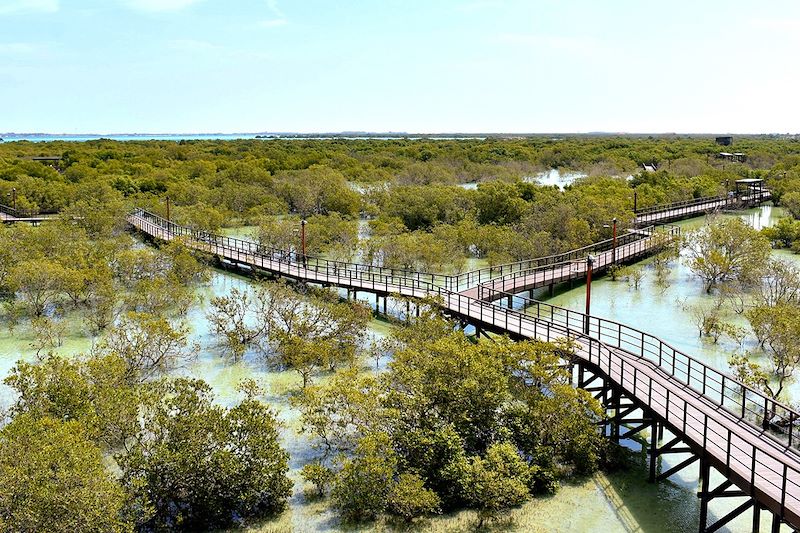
(111, 66)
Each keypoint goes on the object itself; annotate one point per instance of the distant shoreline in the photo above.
(81, 137)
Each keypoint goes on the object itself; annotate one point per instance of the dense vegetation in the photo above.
(447, 424)
(420, 217)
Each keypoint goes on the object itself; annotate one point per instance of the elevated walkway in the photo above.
(748, 437)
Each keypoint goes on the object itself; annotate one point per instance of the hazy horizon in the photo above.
(395, 133)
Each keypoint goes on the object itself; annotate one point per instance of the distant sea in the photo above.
(45, 137)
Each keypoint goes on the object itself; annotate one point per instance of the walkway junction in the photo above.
(644, 383)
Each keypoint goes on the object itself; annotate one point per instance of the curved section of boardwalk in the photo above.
(718, 417)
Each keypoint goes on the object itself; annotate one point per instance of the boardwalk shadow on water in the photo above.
(670, 505)
(639, 506)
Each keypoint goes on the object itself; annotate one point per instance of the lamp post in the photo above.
(614, 241)
(168, 219)
(14, 198)
(635, 201)
(613, 227)
(303, 239)
(590, 259)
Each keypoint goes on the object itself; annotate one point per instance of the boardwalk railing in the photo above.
(17, 213)
(26, 213)
(725, 419)
(780, 420)
(763, 468)
(470, 279)
(659, 208)
(654, 237)
(695, 205)
(244, 249)
(317, 264)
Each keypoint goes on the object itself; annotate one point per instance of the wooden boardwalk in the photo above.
(9, 215)
(549, 275)
(697, 207)
(719, 419)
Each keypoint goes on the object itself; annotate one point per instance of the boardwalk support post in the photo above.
(705, 474)
(653, 451)
(724, 490)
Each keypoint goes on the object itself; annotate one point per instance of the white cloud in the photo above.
(273, 6)
(157, 6)
(14, 49)
(273, 23)
(779, 24)
(10, 7)
(279, 18)
(192, 45)
(213, 51)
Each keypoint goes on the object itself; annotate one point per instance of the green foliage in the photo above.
(791, 201)
(64, 265)
(418, 251)
(777, 328)
(201, 466)
(149, 345)
(497, 482)
(725, 250)
(184, 268)
(231, 318)
(453, 381)
(449, 422)
(364, 483)
(409, 499)
(200, 217)
(499, 203)
(633, 274)
(423, 207)
(307, 332)
(431, 453)
(784, 234)
(95, 393)
(340, 412)
(52, 478)
(38, 283)
(319, 475)
(185, 462)
(475, 424)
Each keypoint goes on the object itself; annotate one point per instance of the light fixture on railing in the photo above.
(590, 261)
(613, 227)
(303, 239)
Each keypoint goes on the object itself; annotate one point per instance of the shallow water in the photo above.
(621, 501)
(555, 177)
(547, 178)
